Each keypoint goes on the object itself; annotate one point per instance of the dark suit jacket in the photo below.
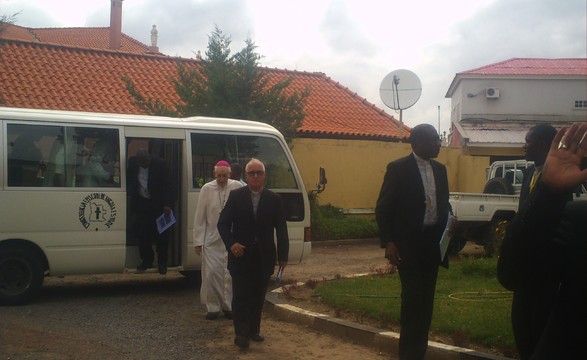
(160, 188)
(401, 205)
(526, 246)
(238, 223)
(552, 245)
(525, 189)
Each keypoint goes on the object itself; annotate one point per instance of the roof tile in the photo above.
(527, 66)
(37, 75)
(88, 38)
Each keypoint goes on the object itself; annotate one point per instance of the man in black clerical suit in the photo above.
(151, 194)
(246, 225)
(412, 211)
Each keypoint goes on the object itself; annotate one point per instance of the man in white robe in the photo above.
(216, 288)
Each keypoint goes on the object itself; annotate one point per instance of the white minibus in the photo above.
(63, 195)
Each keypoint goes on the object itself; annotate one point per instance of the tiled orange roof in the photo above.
(333, 110)
(526, 66)
(89, 38)
(44, 76)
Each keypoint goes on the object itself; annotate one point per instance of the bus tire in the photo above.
(498, 186)
(21, 276)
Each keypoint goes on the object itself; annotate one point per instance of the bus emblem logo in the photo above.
(97, 209)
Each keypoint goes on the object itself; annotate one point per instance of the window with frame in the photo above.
(62, 156)
(208, 149)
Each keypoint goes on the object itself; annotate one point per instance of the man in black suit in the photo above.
(412, 212)
(246, 225)
(534, 296)
(562, 253)
(151, 194)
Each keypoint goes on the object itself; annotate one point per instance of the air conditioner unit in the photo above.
(492, 93)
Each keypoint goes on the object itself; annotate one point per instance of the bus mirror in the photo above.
(321, 181)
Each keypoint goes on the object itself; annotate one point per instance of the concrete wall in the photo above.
(355, 169)
(524, 99)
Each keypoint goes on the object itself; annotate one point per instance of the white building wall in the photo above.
(520, 99)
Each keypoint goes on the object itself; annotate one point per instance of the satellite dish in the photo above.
(400, 89)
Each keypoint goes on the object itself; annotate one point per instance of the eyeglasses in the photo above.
(256, 173)
(222, 175)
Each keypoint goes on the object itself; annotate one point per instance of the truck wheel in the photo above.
(457, 243)
(21, 276)
(493, 237)
(498, 186)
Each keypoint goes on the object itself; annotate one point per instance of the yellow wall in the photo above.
(355, 168)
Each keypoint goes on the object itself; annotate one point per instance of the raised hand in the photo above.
(562, 171)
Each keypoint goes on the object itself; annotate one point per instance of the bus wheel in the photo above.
(21, 276)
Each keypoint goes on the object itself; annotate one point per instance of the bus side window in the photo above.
(100, 165)
(28, 149)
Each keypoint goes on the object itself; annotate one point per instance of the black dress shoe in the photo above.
(212, 315)
(257, 338)
(242, 342)
(144, 266)
(228, 315)
(162, 269)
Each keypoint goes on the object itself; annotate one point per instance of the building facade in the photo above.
(494, 106)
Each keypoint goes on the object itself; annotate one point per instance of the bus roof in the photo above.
(195, 122)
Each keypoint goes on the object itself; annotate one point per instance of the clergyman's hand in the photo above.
(392, 254)
(237, 249)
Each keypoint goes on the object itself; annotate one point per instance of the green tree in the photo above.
(233, 86)
(5, 20)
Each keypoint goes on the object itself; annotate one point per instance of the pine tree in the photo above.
(230, 86)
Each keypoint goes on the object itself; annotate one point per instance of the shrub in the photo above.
(330, 223)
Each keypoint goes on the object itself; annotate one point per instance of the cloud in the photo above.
(343, 35)
(184, 25)
(355, 43)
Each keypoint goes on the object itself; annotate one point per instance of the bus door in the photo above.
(170, 151)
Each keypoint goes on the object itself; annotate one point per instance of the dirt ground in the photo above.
(149, 316)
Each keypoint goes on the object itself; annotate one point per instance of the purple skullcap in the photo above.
(223, 163)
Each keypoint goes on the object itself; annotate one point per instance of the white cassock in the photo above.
(216, 289)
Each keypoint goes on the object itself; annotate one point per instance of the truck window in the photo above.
(62, 156)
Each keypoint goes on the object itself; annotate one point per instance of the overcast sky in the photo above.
(354, 42)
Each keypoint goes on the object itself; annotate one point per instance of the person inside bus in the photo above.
(93, 173)
(216, 287)
(247, 224)
(25, 161)
(151, 194)
(236, 173)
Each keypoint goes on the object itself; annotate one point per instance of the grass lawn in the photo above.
(470, 303)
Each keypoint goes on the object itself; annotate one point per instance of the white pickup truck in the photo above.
(482, 218)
